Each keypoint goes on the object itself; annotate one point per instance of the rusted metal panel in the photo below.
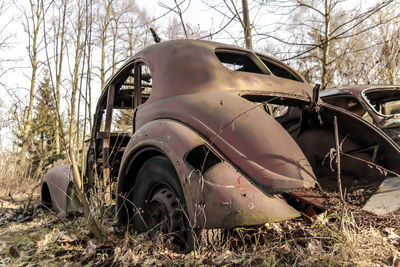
(255, 142)
(366, 134)
(61, 190)
(387, 199)
(223, 197)
(188, 66)
(231, 200)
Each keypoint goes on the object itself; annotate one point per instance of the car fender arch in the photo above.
(165, 137)
(58, 192)
(218, 197)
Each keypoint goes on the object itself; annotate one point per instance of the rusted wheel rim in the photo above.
(166, 214)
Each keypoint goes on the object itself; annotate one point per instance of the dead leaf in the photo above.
(49, 238)
(68, 239)
(314, 247)
(153, 261)
(73, 264)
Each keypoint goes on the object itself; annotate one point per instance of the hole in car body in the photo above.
(202, 158)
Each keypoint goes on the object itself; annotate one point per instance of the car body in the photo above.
(202, 129)
(378, 104)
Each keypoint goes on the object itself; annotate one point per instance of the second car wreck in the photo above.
(187, 130)
(377, 104)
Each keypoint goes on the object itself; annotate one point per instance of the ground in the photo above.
(33, 235)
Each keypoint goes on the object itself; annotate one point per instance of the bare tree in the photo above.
(117, 12)
(319, 33)
(389, 54)
(88, 95)
(56, 43)
(32, 20)
(246, 25)
(372, 57)
(75, 74)
(59, 35)
(234, 12)
(178, 11)
(5, 38)
(103, 32)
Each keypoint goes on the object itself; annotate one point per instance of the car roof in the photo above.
(191, 66)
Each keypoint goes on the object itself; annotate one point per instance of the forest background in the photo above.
(56, 57)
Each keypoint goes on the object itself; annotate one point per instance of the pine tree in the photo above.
(42, 150)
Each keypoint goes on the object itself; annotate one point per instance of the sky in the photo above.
(198, 12)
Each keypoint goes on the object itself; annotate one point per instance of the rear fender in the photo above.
(227, 199)
(243, 132)
(218, 197)
(58, 186)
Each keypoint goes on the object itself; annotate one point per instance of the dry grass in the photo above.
(287, 243)
(16, 182)
(44, 239)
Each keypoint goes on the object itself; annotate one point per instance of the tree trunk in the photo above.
(246, 26)
(75, 79)
(103, 33)
(115, 38)
(35, 13)
(58, 79)
(89, 68)
(326, 47)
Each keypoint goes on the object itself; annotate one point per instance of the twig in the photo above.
(92, 225)
(383, 170)
(180, 14)
(57, 217)
(338, 149)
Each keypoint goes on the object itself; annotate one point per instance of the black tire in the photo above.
(159, 204)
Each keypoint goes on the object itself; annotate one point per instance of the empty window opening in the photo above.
(281, 71)
(146, 83)
(384, 101)
(122, 121)
(238, 62)
(129, 82)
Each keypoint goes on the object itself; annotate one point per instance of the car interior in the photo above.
(120, 117)
(386, 102)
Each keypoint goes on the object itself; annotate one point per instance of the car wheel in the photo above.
(159, 205)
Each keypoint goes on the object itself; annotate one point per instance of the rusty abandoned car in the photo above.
(378, 104)
(189, 131)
